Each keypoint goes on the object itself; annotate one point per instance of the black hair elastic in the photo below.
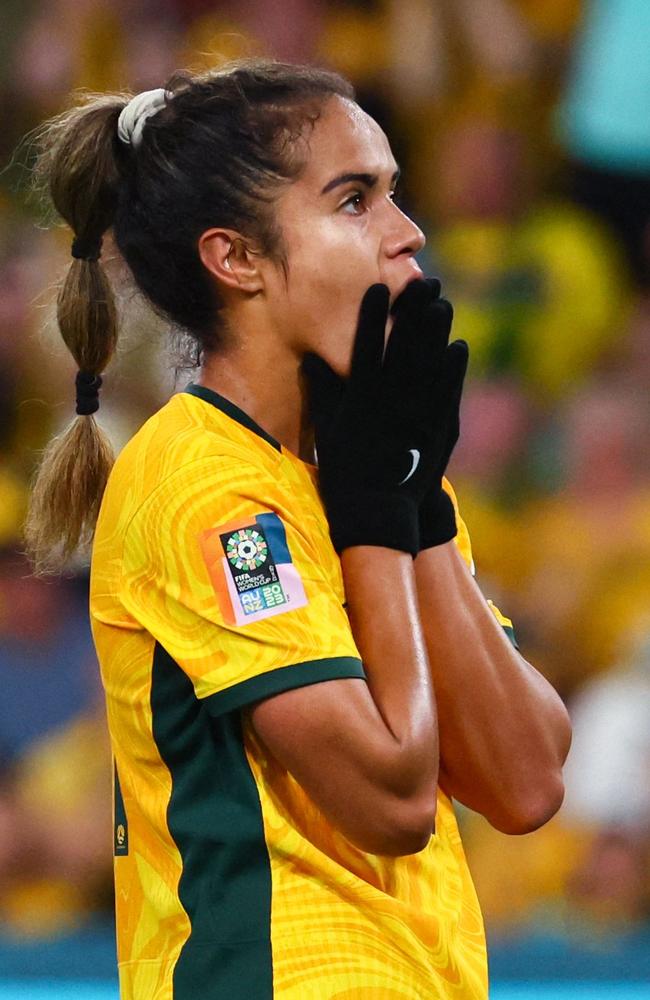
(86, 249)
(88, 386)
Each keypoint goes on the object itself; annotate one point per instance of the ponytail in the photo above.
(77, 167)
(219, 148)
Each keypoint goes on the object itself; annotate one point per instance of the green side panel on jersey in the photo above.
(121, 826)
(215, 818)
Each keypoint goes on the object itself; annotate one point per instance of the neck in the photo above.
(264, 381)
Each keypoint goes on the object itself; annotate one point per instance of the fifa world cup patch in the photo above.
(251, 569)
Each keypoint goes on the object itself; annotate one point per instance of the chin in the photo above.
(341, 367)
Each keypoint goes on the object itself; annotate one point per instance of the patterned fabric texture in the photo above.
(214, 584)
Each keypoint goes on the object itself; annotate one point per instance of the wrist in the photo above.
(373, 518)
(436, 519)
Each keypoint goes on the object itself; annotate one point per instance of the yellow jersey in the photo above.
(214, 584)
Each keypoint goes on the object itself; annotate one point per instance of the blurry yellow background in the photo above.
(535, 223)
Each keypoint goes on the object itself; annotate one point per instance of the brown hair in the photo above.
(215, 155)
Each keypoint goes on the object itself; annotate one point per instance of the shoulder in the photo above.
(183, 450)
(183, 432)
(197, 508)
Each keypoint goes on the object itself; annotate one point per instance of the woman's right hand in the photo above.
(350, 741)
(384, 434)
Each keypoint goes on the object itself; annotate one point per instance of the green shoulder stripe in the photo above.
(283, 679)
(510, 632)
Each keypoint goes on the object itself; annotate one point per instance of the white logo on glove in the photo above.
(416, 461)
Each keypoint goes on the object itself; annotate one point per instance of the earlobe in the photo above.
(226, 255)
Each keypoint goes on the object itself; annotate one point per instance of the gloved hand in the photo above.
(437, 519)
(382, 434)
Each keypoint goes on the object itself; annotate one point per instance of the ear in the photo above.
(229, 258)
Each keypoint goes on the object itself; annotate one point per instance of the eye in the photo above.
(354, 204)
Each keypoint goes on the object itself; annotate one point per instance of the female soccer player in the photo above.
(300, 671)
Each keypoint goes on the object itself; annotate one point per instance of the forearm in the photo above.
(384, 615)
(366, 753)
(504, 732)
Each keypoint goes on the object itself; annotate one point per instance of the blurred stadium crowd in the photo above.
(523, 130)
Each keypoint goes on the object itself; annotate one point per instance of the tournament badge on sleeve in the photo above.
(251, 569)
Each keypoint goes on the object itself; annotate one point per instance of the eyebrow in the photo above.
(369, 180)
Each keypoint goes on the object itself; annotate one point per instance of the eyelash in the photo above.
(361, 197)
(355, 199)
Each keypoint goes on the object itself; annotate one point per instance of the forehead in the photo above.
(346, 140)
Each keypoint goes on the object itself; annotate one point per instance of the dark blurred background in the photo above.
(523, 130)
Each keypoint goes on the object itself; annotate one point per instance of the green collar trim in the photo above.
(232, 411)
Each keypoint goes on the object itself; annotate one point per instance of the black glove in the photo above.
(382, 434)
(437, 513)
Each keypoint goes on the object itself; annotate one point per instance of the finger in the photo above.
(428, 321)
(404, 347)
(416, 348)
(417, 290)
(431, 346)
(441, 315)
(368, 349)
(455, 369)
(434, 287)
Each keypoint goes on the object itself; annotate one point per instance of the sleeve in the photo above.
(225, 569)
(464, 545)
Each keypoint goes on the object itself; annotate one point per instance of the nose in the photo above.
(404, 236)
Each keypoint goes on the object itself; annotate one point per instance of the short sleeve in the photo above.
(224, 568)
(505, 624)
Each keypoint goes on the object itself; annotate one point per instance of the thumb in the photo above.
(325, 389)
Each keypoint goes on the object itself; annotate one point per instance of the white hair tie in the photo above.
(133, 117)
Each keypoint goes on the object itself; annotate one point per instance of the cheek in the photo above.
(327, 281)
(329, 314)
(337, 246)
